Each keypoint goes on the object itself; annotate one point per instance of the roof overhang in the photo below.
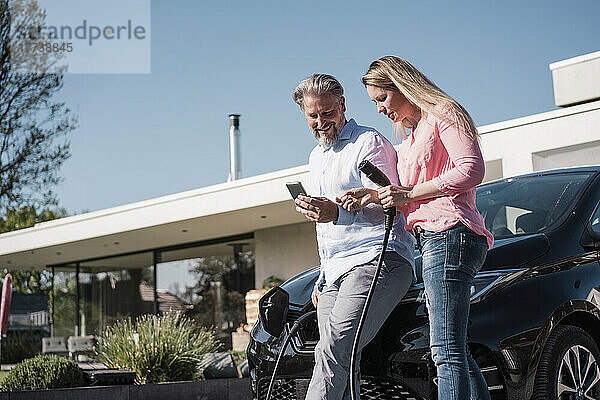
(218, 211)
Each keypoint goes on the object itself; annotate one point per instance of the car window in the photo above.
(595, 223)
(528, 205)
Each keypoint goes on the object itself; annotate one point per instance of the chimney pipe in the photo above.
(235, 151)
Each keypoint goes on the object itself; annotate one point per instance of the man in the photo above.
(349, 241)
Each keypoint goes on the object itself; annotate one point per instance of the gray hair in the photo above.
(316, 85)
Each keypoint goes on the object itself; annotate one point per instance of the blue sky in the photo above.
(145, 135)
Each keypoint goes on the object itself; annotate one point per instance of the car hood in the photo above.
(516, 251)
(301, 286)
(506, 253)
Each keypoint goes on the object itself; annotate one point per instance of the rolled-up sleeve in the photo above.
(383, 156)
(345, 217)
(467, 167)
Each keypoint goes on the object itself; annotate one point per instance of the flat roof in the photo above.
(216, 211)
(574, 60)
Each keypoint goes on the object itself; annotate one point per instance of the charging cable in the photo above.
(379, 178)
(297, 325)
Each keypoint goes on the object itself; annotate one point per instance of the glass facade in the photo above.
(208, 283)
(213, 281)
(109, 289)
(63, 299)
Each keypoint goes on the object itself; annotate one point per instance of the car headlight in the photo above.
(273, 308)
(485, 282)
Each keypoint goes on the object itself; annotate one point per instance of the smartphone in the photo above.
(295, 189)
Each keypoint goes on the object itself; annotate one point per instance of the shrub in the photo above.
(167, 348)
(20, 345)
(44, 372)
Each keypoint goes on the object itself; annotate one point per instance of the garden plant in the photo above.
(44, 372)
(165, 348)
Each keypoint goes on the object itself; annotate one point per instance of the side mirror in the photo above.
(273, 308)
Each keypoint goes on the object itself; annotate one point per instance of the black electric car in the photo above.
(534, 326)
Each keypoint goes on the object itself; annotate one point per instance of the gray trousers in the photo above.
(338, 311)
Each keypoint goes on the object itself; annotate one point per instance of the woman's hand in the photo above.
(355, 199)
(395, 196)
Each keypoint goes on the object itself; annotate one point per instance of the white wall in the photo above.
(493, 170)
(556, 139)
(285, 251)
(576, 80)
(579, 154)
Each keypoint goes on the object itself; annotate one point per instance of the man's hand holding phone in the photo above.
(316, 209)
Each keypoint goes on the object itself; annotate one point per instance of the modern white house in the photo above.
(257, 214)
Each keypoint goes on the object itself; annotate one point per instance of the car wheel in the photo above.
(568, 368)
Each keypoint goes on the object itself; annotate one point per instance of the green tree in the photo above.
(28, 282)
(229, 309)
(33, 126)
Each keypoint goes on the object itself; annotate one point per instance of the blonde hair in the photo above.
(394, 73)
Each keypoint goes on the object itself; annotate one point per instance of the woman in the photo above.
(440, 163)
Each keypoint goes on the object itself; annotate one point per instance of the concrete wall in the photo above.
(576, 80)
(285, 251)
(562, 138)
(212, 389)
(579, 154)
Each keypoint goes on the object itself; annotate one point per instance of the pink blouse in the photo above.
(437, 152)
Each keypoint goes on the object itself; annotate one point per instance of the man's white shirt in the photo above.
(357, 236)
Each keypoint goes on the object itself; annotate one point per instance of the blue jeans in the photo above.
(451, 259)
(338, 310)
